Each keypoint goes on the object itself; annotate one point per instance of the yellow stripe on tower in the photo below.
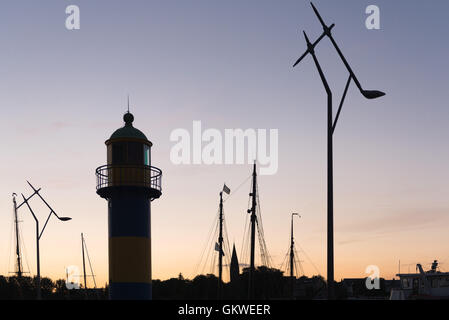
(130, 259)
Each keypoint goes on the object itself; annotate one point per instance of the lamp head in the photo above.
(372, 94)
(64, 218)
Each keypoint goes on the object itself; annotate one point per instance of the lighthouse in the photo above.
(129, 183)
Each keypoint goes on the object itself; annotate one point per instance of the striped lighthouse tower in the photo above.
(129, 183)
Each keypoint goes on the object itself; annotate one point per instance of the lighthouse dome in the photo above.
(128, 131)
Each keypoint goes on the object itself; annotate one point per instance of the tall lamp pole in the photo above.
(331, 124)
(39, 233)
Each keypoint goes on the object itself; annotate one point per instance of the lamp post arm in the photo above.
(314, 45)
(345, 62)
(35, 191)
(48, 218)
(31, 210)
(311, 49)
(327, 31)
(322, 76)
(341, 103)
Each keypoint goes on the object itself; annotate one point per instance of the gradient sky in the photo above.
(228, 64)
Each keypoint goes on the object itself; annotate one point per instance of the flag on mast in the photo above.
(217, 248)
(226, 189)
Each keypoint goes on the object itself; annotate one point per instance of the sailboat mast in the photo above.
(220, 244)
(292, 260)
(253, 234)
(84, 263)
(292, 253)
(16, 222)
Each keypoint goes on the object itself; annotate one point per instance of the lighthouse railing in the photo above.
(129, 175)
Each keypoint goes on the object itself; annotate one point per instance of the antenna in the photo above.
(128, 103)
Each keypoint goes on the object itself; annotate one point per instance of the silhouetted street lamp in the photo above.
(39, 233)
(331, 124)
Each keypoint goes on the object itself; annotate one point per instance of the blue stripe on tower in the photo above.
(129, 246)
(129, 215)
(130, 291)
